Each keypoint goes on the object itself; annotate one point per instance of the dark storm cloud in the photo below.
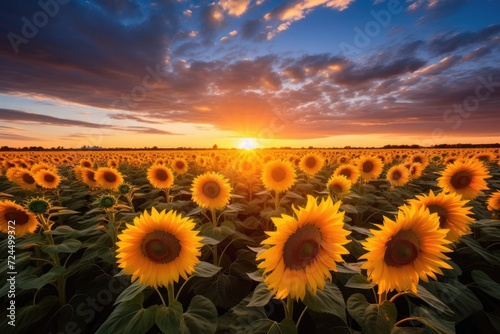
(25, 117)
(452, 41)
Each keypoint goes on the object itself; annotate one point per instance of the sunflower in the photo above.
(370, 167)
(278, 175)
(160, 176)
(247, 167)
(12, 214)
(416, 170)
(39, 167)
(452, 212)
(494, 202)
(344, 159)
(421, 158)
(404, 250)
(179, 165)
(88, 176)
(311, 163)
(304, 249)
(48, 179)
(108, 178)
(85, 163)
(38, 205)
(158, 248)
(211, 190)
(349, 171)
(24, 178)
(465, 178)
(339, 185)
(398, 175)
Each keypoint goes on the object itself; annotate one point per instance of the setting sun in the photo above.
(248, 144)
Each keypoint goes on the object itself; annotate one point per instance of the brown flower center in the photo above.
(109, 177)
(396, 175)
(461, 179)
(310, 162)
(211, 189)
(442, 213)
(28, 178)
(16, 215)
(91, 176)
(337, 188)
(402, 249)
(161, 175)
(302, 247)
(49, 178)
(179, 164)
(346, 173)
(278, 174)
(367, 166)
(160, 247)
(417, 159)
(86, 164)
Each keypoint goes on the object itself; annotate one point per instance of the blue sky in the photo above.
(287, 73)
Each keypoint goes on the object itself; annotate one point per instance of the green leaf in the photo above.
(358, 282)
(356, 306)
(495, 321)
(486, 284)
(256, 275)
(430, 320)
(432, 300)
(380, 318)
(142, 321)
(287, 326)
(348, 208)
(408, 330)
(261, 296)
(168, 319)
(201, 316)
(34, 282)
(476, 246)
(329, 300)
(119, 319)
(67, 246)
(64, 212)
(205, 269)
(218, 233)
(29, 315)
(130, 292)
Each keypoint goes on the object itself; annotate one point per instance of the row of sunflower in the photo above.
(291, 241)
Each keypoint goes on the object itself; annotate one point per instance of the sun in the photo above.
(248, 144)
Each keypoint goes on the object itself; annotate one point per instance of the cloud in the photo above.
(17, 116)
(453, 41)
(297, 10)
(441, 66)
(252, 29)
(234, 7)
(435, 9)
(212, 19)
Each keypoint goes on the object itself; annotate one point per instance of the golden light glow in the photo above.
(248, 144)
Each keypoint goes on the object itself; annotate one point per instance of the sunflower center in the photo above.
(109, 177)
(278, 174)
(28, 178)
(91, 175)
(86, 164)
(179, 164)
(346, 173)
(49, 178)
(337, 188)
(38, 206)
(367, 166)
(302, 247)
(402, 249)
(160, 247)
(442, 213)
(461, 179)
(16, 215)
(310, 162)
(211, 189)
(342, 160)
(161, 175)
(396, 175)
(417, 159)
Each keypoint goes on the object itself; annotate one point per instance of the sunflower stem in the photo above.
(276, 200)
(161, 297)
(171, 294)
(289, 308)
(214, 224)
(382, 297)
(300, 317)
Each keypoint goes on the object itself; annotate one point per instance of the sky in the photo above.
(175, 73)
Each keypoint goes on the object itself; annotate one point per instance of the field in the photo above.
(251, 241)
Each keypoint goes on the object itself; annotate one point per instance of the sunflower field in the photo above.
(251, 241)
